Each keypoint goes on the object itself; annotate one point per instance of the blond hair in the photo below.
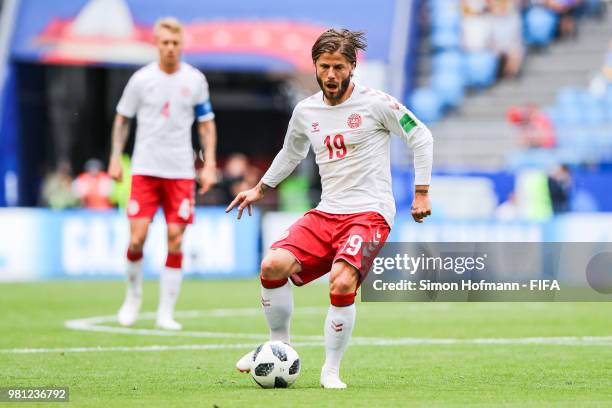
(171, 24)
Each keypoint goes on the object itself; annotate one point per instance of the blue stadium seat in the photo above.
(568, 96)
(481, 68)
(533, 158)
(607, 103)
(569, 106)
(593, 8)
(540, 25)
(445, 38)
(564, 136)
(450, 87)
(593, 112)
(446, 16)
(426, 104)
(553, 114)
(450, 60)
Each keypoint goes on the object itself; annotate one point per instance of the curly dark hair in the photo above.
(345, 41)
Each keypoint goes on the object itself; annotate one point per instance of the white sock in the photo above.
(134, 278)
(278, 307)
(338, 329)
(169, 289)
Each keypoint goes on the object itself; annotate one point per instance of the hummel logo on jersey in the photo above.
(315, 127)
(337, 327)
(377, 236)
(265, 302)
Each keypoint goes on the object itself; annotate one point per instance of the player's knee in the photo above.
(175, 239)
(136, 243)
(344, 280)
(175, 243)
(275, 267)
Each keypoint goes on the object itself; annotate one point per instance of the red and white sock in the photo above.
(134, 273)
(338, 329)
(170, 285)
(277, 302)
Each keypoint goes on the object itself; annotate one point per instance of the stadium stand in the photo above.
(469, 118)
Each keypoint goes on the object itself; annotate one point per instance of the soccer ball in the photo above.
(275, 365)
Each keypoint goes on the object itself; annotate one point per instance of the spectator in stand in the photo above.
(57, 189)
(238, 175)
(476, 25)
(93, 187)
(509, 210)
(535, 128)
(495, 25)
(607, 68)
(559, 187)
(567, 10)
(601, 83)
(507, 35)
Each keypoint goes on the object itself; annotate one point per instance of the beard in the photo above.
(340, 91)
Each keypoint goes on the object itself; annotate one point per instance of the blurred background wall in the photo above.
(518, 95)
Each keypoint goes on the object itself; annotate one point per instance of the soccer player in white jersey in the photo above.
(166, 97)
(348, 127)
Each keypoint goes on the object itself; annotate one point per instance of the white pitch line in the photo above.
(96, 324)
(361, 341)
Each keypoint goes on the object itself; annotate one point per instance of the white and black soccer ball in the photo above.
(275, 365)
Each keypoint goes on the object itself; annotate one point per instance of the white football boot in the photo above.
(128, 313)
(331, 379)
(165, 322)
(245, 364)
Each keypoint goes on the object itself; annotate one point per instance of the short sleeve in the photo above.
(130, 99)
(203, 108)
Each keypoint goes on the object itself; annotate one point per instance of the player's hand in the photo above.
(245, 199)
(208, 178)
(115, 169)
(421, 207)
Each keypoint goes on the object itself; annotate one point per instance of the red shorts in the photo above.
(175, 196)
(318, 239)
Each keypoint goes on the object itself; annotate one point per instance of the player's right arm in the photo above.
(246, 198)
(120, 133)
(126, 110)
(295, 148)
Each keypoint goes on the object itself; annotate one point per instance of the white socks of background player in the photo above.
(128, 313)
(277, 302)
(338, 329)
(169, 287)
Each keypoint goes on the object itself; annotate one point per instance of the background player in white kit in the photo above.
(165, 96)
(348, 127)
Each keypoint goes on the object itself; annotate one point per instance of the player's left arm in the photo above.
(400, 121)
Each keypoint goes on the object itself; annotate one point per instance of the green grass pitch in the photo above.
(456, 374)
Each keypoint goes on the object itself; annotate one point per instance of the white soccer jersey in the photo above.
(165, 106)
(351, 142)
